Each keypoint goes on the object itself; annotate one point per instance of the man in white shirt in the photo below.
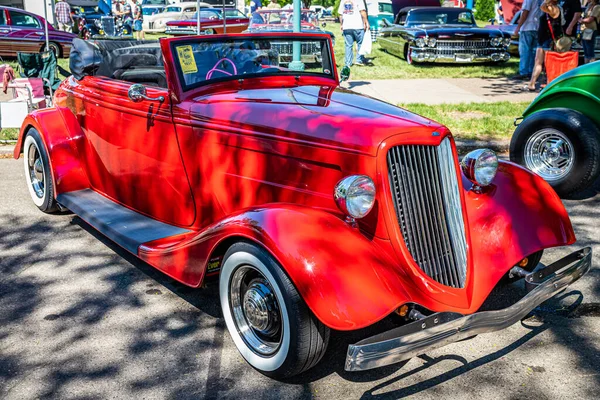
(527, 28)
(354, 24)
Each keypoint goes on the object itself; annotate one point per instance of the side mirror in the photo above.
(385, 22)
(492, 21)
(137, 93)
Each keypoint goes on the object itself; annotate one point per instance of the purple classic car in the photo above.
(24, 31)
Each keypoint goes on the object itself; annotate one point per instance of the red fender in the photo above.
(345, 278)
(62, 136)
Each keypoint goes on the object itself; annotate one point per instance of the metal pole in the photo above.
(224, 19)
(46, 26)
(296, 64)
(198, 15)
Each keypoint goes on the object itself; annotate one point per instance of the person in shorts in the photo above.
(62, 9)
(138, 21)
(589, 30)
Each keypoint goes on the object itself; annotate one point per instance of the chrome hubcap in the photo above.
(549, 153)
(255, 310)
(36, 171)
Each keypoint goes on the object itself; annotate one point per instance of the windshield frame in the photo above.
(174, 42)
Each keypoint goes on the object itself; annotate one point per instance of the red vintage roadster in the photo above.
(319, 208)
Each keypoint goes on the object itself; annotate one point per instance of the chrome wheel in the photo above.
(35, 169)
(549, 153)
(255, 310)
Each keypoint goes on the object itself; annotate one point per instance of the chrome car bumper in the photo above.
(429, 55)
(179, 31)
(443, 328)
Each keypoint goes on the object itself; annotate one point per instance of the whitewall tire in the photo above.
(269, 323)
(37, 172)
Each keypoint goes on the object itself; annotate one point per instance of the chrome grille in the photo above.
(452, 47)
(426, 196)
(286, 48)
(108, 25)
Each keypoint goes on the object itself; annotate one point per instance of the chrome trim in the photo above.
(550, 154)
(424, 185)
(444, 328)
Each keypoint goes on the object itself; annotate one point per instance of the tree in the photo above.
(485, 10)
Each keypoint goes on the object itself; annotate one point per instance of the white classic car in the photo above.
(184, 10)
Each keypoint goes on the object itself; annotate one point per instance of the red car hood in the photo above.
(327, 116)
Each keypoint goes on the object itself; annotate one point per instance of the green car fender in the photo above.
(578, 89)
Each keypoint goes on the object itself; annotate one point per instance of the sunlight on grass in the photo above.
(482, 121)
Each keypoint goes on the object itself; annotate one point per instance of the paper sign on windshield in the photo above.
(186, 59)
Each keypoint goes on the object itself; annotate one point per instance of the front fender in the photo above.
(519, 214)
(62, 137)
(344, 277)
(567, 97)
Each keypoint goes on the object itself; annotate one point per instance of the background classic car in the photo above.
(202, 151)
(23, 31)
(282, 21)
(158, 23)
(211, 22)
(443, 35)
(559, 136)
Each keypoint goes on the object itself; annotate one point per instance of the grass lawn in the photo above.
(483, 121)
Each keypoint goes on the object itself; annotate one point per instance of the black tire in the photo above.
(37, 172)
(305, 341)
(584, 136)
(55, 48)
(407, 55)
(532, 261)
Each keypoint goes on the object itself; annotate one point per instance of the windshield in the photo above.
(173, 9)
(282, 17)
(208, 15)
(386, 8)
(203, 61)
(440, 17)
(154, 2)
(152, 10)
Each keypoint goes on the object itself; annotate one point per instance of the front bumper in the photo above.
(427, 54)
(443, 328)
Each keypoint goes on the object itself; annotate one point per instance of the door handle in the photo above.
(137, 93)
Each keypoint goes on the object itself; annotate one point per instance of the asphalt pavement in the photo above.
(82, 319)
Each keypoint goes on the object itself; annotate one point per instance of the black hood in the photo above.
(458, 33)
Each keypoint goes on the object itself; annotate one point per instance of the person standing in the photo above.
(62, 9)
(138, 21)
(572, 15)
(550, 27)
(255, 5)
(527, 29)
(354, 23)
(589, 30)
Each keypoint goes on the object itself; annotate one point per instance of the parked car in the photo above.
(268, 20)
(180, 11)
(150, 10)
(24, 31)
(85, 13)
(442, 35)
(378, 10)
(211, 22)
(513, 49)
(318, 207)
(559, 136)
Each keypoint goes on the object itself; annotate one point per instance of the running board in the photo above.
(125, 227)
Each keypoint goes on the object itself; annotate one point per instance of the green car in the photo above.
(559, 136)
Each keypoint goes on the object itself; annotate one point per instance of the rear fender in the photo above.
(63, 138)
(344, 277)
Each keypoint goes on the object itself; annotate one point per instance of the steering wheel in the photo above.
(215, 69)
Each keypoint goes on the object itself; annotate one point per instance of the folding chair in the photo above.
(22, 97)
(40, 65)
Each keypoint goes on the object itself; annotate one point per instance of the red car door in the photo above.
(26, 32)
(132, 153)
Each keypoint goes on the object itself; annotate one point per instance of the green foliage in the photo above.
(484, 10)
(336, 7)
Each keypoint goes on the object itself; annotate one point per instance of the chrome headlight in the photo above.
(432, 42)
(98, 23)
(355, 195)
(480, 166)
(506, 41)
(420, 42)
(496, 41)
